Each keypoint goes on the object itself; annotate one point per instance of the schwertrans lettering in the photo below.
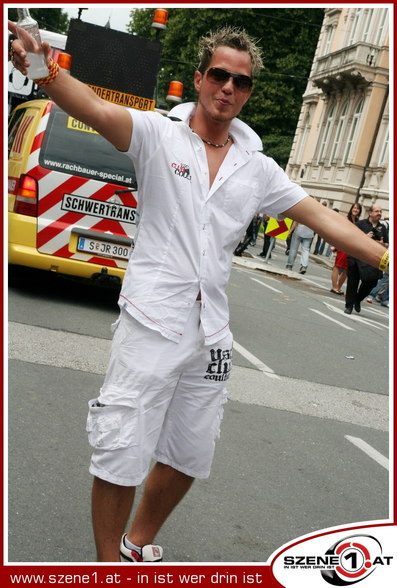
(98, 208)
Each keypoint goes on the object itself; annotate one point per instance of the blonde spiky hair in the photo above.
(233, 37)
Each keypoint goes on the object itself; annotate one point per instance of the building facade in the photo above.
(340, 153)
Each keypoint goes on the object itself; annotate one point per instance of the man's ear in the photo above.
(198, 78)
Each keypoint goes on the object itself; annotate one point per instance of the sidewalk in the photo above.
(276, 265)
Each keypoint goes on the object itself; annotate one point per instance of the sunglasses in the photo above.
(221, 76)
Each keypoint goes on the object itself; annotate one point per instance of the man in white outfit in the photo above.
(201, 180)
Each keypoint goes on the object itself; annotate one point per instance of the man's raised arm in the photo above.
(110, 120)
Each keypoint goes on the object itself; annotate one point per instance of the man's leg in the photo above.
(111, 507)
(305, 246)
(293, 250)
(335, 279)
(342, 278)
(164, 489)
(353, 279)
(365, 288)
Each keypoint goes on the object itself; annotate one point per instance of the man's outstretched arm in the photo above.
(337, 230)
(77, 99)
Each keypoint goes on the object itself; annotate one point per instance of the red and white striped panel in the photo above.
(55, 225)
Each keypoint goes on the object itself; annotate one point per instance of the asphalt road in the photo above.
(304, 440)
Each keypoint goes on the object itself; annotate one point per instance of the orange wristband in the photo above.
(53, 71)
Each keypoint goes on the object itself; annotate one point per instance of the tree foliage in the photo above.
(49, 19)
(288, 38)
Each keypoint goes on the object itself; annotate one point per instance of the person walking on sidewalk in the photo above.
(381, 291)
(267, 240)
(362, 277)
(248, 237)
(301, 235)
(255, 230)
(171, 354)
(339, 271)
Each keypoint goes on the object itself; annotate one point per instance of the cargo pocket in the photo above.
(114, 325)
(219, 416)
(111, 427)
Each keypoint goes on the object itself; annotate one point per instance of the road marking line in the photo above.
(359, 319)
(374, 310)
(316, 284)
(370, 451)
(266, 285)
(254, 271)
(255, 361)
(332, 319)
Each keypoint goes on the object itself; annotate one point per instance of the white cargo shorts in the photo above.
(160, 400)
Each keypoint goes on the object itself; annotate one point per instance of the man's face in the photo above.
(223, 101)
(376, 214)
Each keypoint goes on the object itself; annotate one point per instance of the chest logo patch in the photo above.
(182, 170)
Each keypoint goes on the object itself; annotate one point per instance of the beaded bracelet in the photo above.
(53, 69)
(384, 262)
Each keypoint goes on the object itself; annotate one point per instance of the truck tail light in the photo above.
(26, 197)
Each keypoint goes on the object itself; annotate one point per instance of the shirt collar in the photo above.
(241, 132)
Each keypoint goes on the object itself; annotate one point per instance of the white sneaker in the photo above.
(150, 553)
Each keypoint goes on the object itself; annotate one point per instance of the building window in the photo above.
(367, 24)
(303, 139)
(384, 154)
(326, 134)
(382, 28)
(328, 39)
(353, 129)
(355, 23)
(339, 131)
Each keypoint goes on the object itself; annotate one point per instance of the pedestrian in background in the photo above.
(320, 243)
(267, 240)
(248, 237)
(381, 291)
(361, 277)
(255, 229)
(339, 271)
(301, 236)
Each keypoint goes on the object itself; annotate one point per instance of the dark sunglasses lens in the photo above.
(243, 82)
(220, 75)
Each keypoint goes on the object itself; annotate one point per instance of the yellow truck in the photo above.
(71, 196)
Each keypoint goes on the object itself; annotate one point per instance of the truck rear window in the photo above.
(72, 147)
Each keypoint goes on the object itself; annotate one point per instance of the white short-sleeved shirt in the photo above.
(187, 230)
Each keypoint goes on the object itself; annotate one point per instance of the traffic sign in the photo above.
(278, 229)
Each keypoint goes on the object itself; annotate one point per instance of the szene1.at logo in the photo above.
(347, 562)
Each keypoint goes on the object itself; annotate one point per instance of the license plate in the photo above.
(103, 248)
